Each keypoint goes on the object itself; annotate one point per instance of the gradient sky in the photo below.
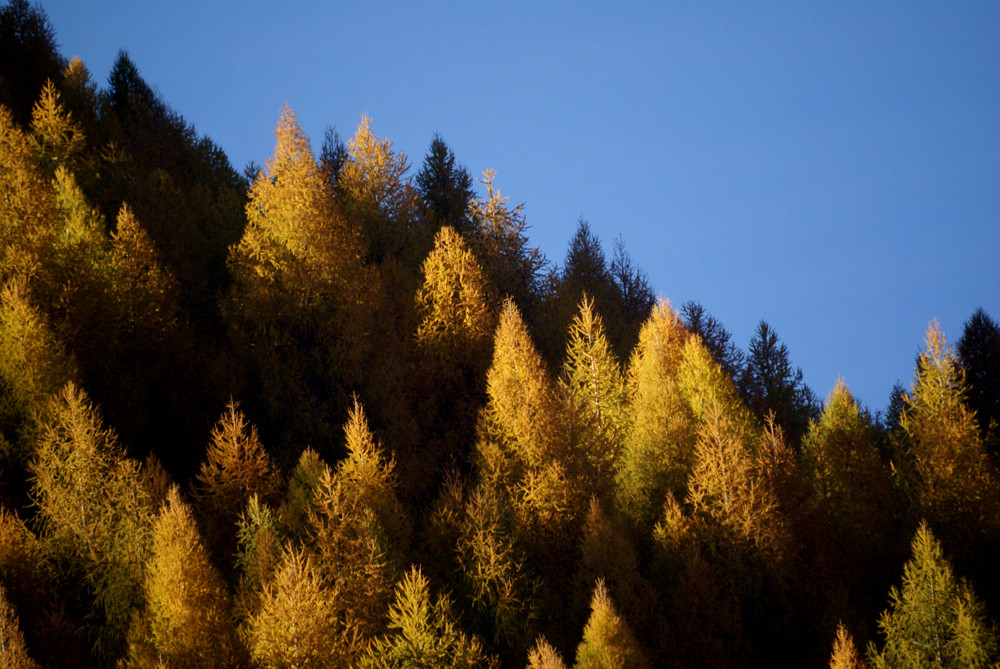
(833, 168)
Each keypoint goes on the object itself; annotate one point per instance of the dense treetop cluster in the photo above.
(337, 412)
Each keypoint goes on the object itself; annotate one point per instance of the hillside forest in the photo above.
(336, 410)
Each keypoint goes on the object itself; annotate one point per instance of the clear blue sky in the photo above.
(833, 168)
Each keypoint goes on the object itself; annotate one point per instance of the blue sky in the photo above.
(833, 168)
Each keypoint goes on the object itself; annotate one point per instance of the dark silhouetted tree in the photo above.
(979, 353)
(776, 387)
(30, 56)
(445, 189)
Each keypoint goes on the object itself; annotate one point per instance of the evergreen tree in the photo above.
(634, 297)
(934, 619)
(31, 56)
(608, 641)
(775, 387)
(425, 633)
(445, 189)
(259, 538)
(716, 338)
(979, 353)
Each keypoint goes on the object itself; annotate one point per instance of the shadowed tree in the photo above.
(31, 56)
(943, 465)
(236, 467)
(445, 189)
(716, 338)
(634, 296)
(775, 387)
(979, 353)
(934, 619)
(13, 651)
(608, 641)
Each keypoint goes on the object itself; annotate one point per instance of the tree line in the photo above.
(332, 411)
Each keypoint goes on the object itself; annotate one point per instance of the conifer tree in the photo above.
(56, 138)
(775, 386)
(23, 574)
(31, 56)
(845, 654)
(236, 467)
(187, 615)
(259, 552)
(979, 352)
(33, 366)
(296, 624)
(544, 656)
(593, 383)
(658, 451)
(608, 641)
(25, 203)
(934, 619)
(424, 633)
(302, 485)
(379, 198)
(94, 512)
(445, 189)
(500, 243)
(13, 651)
(297, 308)
(951, 481)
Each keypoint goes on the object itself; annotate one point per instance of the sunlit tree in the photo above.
(845, 654)
(608, 641)
(13, 651)
(55, 137)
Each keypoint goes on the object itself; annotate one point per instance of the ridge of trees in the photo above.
(332, 413)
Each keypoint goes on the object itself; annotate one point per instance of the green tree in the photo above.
(445, 189)
(31, 57)
(608, 641)
(425, 633)
(775, 387)
(934, 619)
(979, 353)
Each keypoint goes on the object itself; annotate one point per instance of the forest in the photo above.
(338, 411)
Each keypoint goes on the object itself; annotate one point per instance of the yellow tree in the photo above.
(33, 365)
(186, 621)
(296, 626)
(95, 514)
(544, 656)
(25, 203)
(592, 381)
(358, 535)
(379, 198)
(236, 467)
(56, 138)
(13, 651)
(659, 448)
(608, 641)
(947, 473)
(845, 654)
(424, 634)
(298, 305)
(455, 325)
